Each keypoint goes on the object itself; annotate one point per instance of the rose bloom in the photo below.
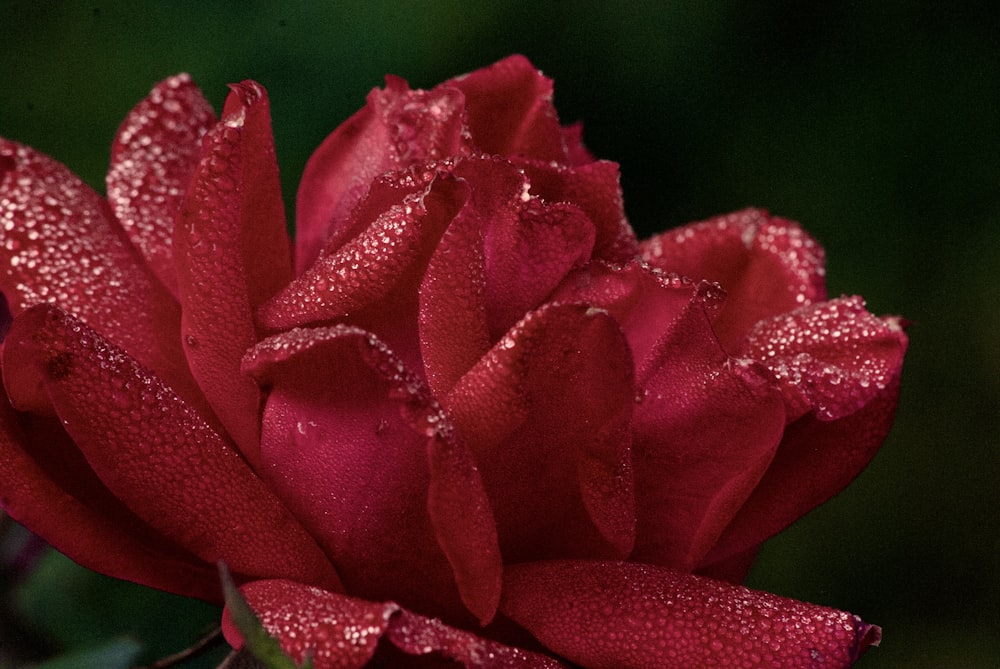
(474, 419)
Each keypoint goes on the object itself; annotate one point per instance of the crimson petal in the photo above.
(509, 110)
(546, 413)
(59, 244)
(398, 127)
(623, 615)
(815, 461)
(367, 460)
(595, 188)
(156, 454)
(706, 429)
(767, 265)
(152, 159)
(45, 486)
(830, 358)
(231, 252)
(340, 632)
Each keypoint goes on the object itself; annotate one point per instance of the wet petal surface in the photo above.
(152, 159)
(363, 455)
(156, 455)
(619, 615)
(341, 632)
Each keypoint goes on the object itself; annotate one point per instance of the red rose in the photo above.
(478, 419)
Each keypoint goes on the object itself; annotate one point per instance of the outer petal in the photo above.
(546, 413)
(706, 429)
(815, 461)
(232, 252)
(510, 112)
(47, 486)
(156, 455)
(366, 459)
(767, 265)
(340, 632)
(625, 615)
(397, 128)
(59, 244)
(152, 160)
(831, 358)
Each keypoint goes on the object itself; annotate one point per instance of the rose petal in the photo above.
(546, 414)
(509, 110)
(340, 632)
(369, 463)
(645, 302)
(830, 358)
(156, 454)
(59, 244)
(595, 189)
(529, 246)
(706, 429)
(815, 461)
(152, 159)
(397, 128)
(625, 615)
(767, 265)
(231, 251)
(47, 486)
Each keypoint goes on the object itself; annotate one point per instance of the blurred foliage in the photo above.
(875, 124)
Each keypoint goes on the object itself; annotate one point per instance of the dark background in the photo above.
(875, 124)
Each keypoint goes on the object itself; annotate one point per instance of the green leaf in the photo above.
(74, 608)
(261, 645)
(114, 654)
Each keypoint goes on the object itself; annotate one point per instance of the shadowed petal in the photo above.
(509, 110)
(596, 190)
(766, 264)
(546, 413)
(231, 252)
(619, 615)
(152, 159)
(815, 461)
(645, 302)
(706, 430)
(340, 632)
(47, 486)
(364, 456)
(155, 454)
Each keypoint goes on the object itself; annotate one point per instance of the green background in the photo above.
(875, 124)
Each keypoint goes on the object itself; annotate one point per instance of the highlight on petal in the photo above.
(340, 632)
(156, 454)
(59, 244)
(546, 413)
(706, 429)
(622, 615)
(231, 251)
(153, 157)
(766, 264)
(397, 226)
(364, 456)
(830, 358)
